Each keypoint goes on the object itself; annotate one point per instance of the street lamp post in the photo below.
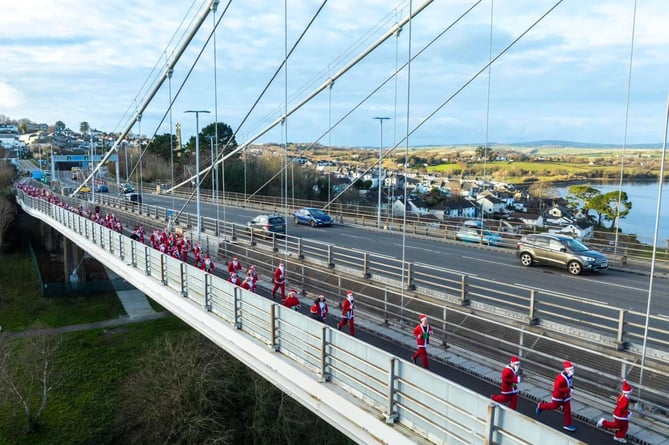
(197, 166)
(90, 133)
(378, 210)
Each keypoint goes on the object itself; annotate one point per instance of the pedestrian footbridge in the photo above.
(363, 391)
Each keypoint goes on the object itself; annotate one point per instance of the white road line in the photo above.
(352, 236)
(419, 248)
(560, 294)
(489, 261)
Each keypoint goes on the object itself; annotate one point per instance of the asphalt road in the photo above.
(613, 288)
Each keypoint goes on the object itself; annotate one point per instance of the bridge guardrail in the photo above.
(568, 315)
(388, 386)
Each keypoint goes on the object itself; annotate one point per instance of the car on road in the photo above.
(475, 235)
(559, 251)
(313, 216)
(127, 188)
(101, 188)
(267, 224)
(133, 197)
(85, 189)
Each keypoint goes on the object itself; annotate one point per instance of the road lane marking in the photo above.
(419, 248)
(352, 236)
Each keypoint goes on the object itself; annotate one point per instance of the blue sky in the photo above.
(567, 79)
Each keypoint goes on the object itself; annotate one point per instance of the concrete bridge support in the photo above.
(73, 257)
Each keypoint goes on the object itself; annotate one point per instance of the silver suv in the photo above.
(560, 251)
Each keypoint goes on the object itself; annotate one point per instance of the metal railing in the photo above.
(397, 392)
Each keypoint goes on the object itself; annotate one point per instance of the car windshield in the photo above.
(576, 246)
(276, 220)
(318, 212)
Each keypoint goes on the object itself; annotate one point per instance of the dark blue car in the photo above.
(312, 216)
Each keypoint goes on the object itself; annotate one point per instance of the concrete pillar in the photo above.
(50, 238)
(74, 266)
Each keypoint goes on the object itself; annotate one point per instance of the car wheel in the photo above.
(575, 268)
(296, 221)
(312, 223)
(526, 259)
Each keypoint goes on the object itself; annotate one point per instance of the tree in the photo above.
(226, 139)
(59, 126)
(608, 207)
(580, 197)
(27, 374)
(84, 127)
(160, 145)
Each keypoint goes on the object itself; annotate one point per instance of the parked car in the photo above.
(312, 216)
(127, 188)
(133, 197)
(101, 188)
(267, 224)
(559, 251)
(85, 189)
(476, 235)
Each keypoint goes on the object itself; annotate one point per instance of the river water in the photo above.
(642, 216)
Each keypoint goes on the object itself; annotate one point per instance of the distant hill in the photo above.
(557, 143)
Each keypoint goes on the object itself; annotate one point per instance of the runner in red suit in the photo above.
(234, 279)
(348, 313)
(234, 266)
(562, 391)
(279, 281)
(621, 415)
(422, 333)
(292, 302)
(207, 265)
(509, 387)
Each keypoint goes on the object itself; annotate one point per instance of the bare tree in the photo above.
(7, 215)
(27, 375)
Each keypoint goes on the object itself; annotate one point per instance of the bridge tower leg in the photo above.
(73, 257)
(50, 238)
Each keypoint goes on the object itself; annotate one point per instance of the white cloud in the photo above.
(75, 60)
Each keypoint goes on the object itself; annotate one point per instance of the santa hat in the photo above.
(422, 317)
(627, 388)
(515, 360)
(234, 259)
(349, 294)
(292, 291)
(567, 365)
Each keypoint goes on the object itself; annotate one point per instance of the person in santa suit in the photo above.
(348, 313)
(510, 381)
(422, 333)
(234, 279)
(253, 273)
(562, 391)
(319, 310)
(197, 252)
(280, 281)
(208, 265)
(234, 266)
(621, 415)
(292, 302)
(248, 283)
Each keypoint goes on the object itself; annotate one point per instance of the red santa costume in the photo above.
(208, 265)
(248, 283)
(292, 302)
(348, 313)
(197, 252)
(319, 310)
(279, 281)
(422, 333)
(621, 415)
(562, 391)
(509, 387)
(234, 266)
(253, 273)
(234, 279)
